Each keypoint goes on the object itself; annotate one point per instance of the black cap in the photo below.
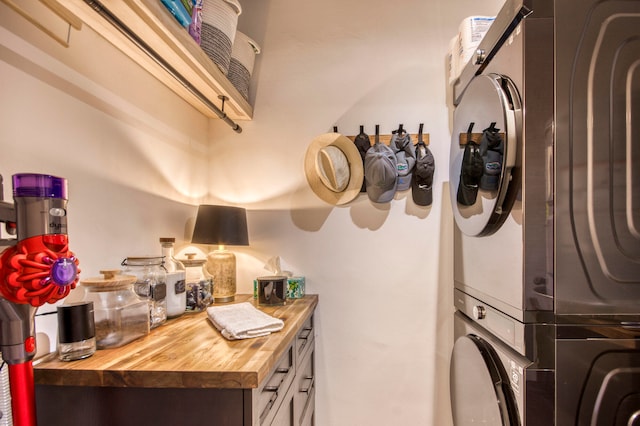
(422, 182)
(363, 143)
(76, 322)
(470, 174)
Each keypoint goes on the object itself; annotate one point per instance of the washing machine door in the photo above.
(484, 144)
(480, 388)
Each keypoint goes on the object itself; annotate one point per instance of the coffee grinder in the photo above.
(35, 269)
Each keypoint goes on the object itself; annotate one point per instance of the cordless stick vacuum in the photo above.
(38, 269)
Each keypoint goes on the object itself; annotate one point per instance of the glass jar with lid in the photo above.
(120, 315)
(199, 287)
(150, 284)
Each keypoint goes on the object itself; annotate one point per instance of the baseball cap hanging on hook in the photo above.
(402, 147)
(363, 143)
(422, 181)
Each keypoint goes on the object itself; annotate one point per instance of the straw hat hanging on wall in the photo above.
(333, 167)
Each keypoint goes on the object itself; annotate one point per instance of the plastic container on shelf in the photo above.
(150, 284)
(199, 287)
(175, 279)
(120, 315)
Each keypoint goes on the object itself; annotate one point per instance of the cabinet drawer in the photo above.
(305, 388)
(305, 339)
(285, 414)
(270, 395)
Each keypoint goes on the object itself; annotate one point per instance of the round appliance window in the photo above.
(482, 177)
(480, 390)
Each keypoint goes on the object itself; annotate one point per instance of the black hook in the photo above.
(335, 129)
(400, 130)
(492, 128)
(469, 132)
(361, 129)
(223, 98)
(420, 128)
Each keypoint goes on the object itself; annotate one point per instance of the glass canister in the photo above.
(176, 294)
(150, 284)
(120, 315)
(76, 331)
(199, 288)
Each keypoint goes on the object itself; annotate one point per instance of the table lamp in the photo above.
(221, 226)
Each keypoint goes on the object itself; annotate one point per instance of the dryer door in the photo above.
(484, 143)
(480, 388)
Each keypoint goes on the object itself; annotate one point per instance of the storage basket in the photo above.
(219, 22)
(243, 56)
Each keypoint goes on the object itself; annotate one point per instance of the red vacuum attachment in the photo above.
(39, 269)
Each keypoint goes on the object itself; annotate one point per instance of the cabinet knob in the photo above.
(479, 312)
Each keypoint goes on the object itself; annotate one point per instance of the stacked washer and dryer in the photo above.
(545, 189)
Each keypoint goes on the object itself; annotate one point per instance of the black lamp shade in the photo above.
(222, 225)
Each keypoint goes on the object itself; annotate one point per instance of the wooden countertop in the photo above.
(186, 352)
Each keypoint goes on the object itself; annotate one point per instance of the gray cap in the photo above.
(380, 173)
(403, 149)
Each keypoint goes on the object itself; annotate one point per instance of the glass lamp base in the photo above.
(221, 265)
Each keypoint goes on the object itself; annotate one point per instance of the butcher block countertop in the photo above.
(186, 352)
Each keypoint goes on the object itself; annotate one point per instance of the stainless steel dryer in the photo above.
(558, 233)
(503, 238)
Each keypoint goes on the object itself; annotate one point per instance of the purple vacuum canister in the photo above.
(41, 204)
(37, 185)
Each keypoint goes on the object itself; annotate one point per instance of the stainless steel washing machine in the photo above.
(493, 385)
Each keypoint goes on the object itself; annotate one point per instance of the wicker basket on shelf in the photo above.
(219, 22)
(243, 56)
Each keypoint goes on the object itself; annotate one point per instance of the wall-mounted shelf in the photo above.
(155, 26)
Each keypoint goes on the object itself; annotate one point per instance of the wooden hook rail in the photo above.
(386, 139)
(474, 137)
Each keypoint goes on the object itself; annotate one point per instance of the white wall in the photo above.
(383, 271)
(133, 155)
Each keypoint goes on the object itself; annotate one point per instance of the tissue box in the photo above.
(272, 290)
(295, 287)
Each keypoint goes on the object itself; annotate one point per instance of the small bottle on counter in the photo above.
(150, 284)
(199, 287)
(175, 273)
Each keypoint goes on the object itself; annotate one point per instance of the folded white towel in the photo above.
(242, 321)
